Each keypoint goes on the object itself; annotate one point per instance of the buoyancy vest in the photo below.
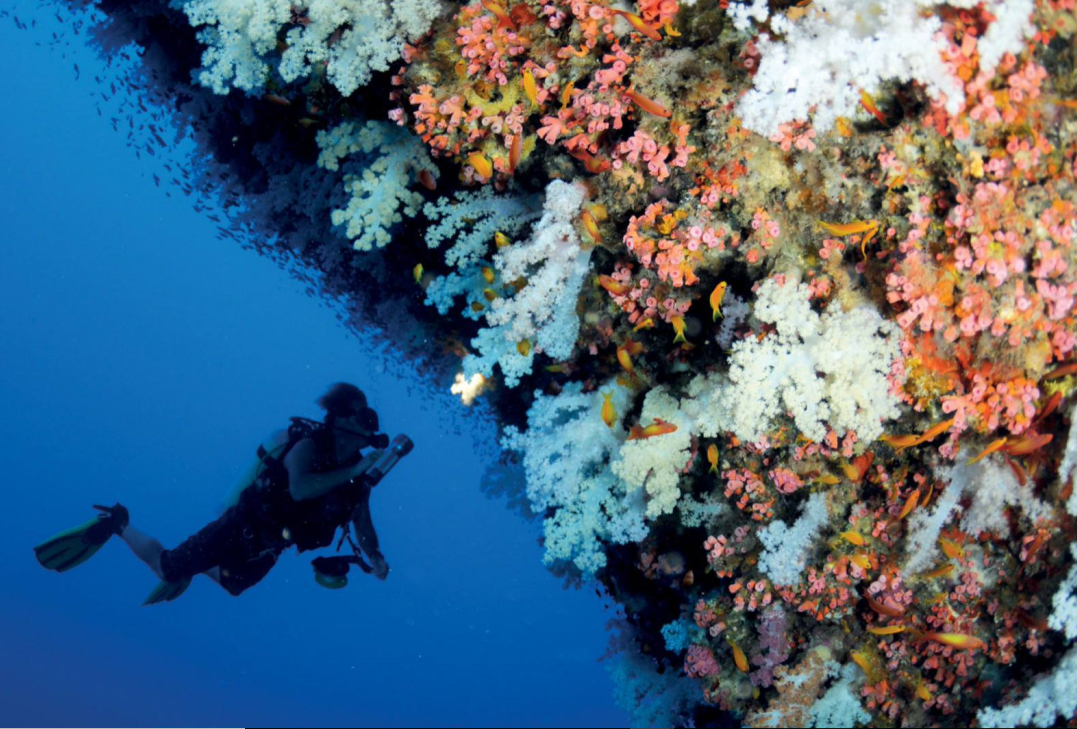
(282, 521)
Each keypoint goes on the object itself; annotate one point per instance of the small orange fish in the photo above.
(488, 274)
(869, 105)
(1022, 445)
(503, 17)
(591, 226)
(884, 610)
(861, 560)
(678, 326)
(276, 100)
(716, 300)
(829, 479)
(850, 471)
(910, 504)
(853, 538)
(614, 286)
(1061, 371)
(951, 549)
(922, 692)
(490, 294)
(739, 658)
(501, 240)
(900, 442)
(626, 361)
(995, 445)
(960, 641)
(658, 427)
(530, 88)
(936, 430)
(633, 347)
(566, 93)
(524, 347)
(417, 272)
(516, 150)
(943, 571)
(481, 164)
(647, 323)
(609, 413)
(887, 630)
(648, 105)
(477, 307)
(639, 24)
(843, 229)
(712, 458)
(671, 31)
(426, 179)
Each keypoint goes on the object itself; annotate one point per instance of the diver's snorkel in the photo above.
(332, 572)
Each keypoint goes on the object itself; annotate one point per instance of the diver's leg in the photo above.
(145, 547)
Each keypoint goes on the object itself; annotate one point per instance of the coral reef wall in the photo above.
(775, 302)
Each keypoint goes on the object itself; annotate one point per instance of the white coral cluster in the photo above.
(566, 452)
(381, 193)
(355, 38)
(655, 464)
(840, 47)
(786, 549)
(822, 370)
(543, 312)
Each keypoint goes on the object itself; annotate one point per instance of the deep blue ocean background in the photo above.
(141, 361)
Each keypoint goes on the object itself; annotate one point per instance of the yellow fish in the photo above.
(488, 274)
(530, 89)
(524, 347)
(501, 240)
(712, 458)
(609, 413)
(417, 272)
(678, 326)
(887, 630)
(481, 164)
(739, 658)
(853, 538)
(716, 300)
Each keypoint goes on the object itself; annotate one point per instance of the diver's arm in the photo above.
(304, 483)
(368, 538)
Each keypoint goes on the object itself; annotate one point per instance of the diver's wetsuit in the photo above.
(247, 539)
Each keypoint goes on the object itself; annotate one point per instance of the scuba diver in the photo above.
(308, 480)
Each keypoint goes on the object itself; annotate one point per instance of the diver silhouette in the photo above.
(309, 479)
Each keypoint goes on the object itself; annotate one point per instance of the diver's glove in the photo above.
(111, 520)
(380, 440)
(380, 566)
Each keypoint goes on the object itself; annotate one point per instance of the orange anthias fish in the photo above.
(678, 326)
(648, 105)
(956, 640)
(869, 105)
(516, 150)
(907, 441)
(524, 347)
(625, 361)
(503, 17)
(481, 164)
(640, 24)
(614, 286)
(716, 300)
(910, 504)
(739, 658)
(658, 427)
(951, 549)
(712, 458)
(530, 87)
(609, 413)
(647, 323)
(885, 610)
(843, 229)
(853, 538)
(591, 226)
(887, 630)
(995, 445)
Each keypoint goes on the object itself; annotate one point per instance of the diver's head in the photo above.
(346, 409)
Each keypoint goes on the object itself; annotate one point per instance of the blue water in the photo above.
(141, 361)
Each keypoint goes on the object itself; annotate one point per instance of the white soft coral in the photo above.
(840, 47)
(825, 371)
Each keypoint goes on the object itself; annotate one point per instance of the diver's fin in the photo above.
(167, 591)
(71, 548)
(67, 550)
